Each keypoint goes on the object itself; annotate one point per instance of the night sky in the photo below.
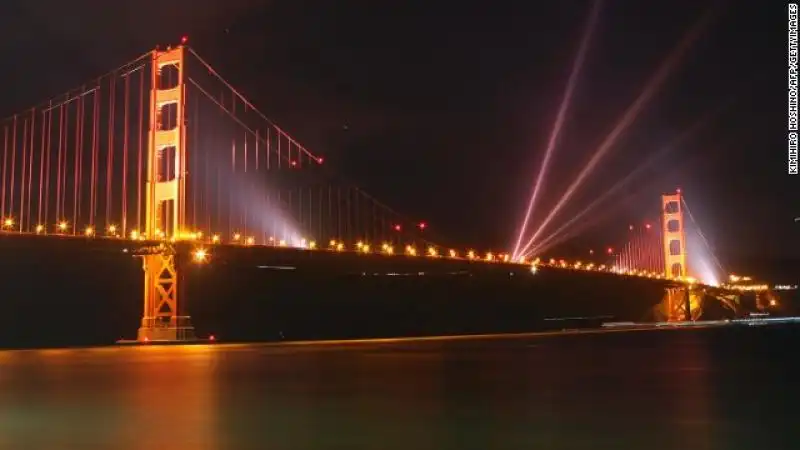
(443, 109)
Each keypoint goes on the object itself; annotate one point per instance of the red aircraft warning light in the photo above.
(397, 227)
(184, 39)
(422, 225)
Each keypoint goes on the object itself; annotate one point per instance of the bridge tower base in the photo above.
(161, 319)
(682, 304)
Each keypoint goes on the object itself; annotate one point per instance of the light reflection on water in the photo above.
(618, 390)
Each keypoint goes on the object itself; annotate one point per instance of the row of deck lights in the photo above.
(364, 248)
(237, 238)
(61, 227)
(433, 252)
(591, 267)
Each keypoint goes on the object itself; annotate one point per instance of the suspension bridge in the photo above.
(163, 159)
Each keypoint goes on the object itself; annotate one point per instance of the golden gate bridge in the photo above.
(164, 153)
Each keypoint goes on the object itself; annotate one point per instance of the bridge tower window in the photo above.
(674, 226)
(671, 207)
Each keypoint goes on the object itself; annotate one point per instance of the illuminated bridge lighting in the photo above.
(257, 210)
(746, 288)
(200, 255)
(361, 247)
(785, 287)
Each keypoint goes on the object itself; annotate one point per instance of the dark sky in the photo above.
(443, 109)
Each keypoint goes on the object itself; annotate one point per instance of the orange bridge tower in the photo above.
(165, 204)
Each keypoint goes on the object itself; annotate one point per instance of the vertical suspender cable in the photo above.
(95, 154)
(76, 169)
(23, 168)
(31, 145)
(58, 216)
(13, 164)
(48, 151)
(64, 165)
(5, 163)
(41, 168)
(110, 150)
(139, 179)
(125, 134)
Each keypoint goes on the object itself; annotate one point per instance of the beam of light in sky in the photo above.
(268, 219)
(553, 241)
(556, 236)
(651, 88)
(700, 258)
(709, 252)
(562, 112)
(580, 227)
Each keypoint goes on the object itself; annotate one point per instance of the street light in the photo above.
(200, 255)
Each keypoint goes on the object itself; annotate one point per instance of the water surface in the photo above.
(690, 389)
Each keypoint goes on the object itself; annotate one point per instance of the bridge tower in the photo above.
(680, 303)
(674, 235)
(165, 199)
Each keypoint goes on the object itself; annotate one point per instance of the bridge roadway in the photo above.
(288, 258)
(76, 290)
